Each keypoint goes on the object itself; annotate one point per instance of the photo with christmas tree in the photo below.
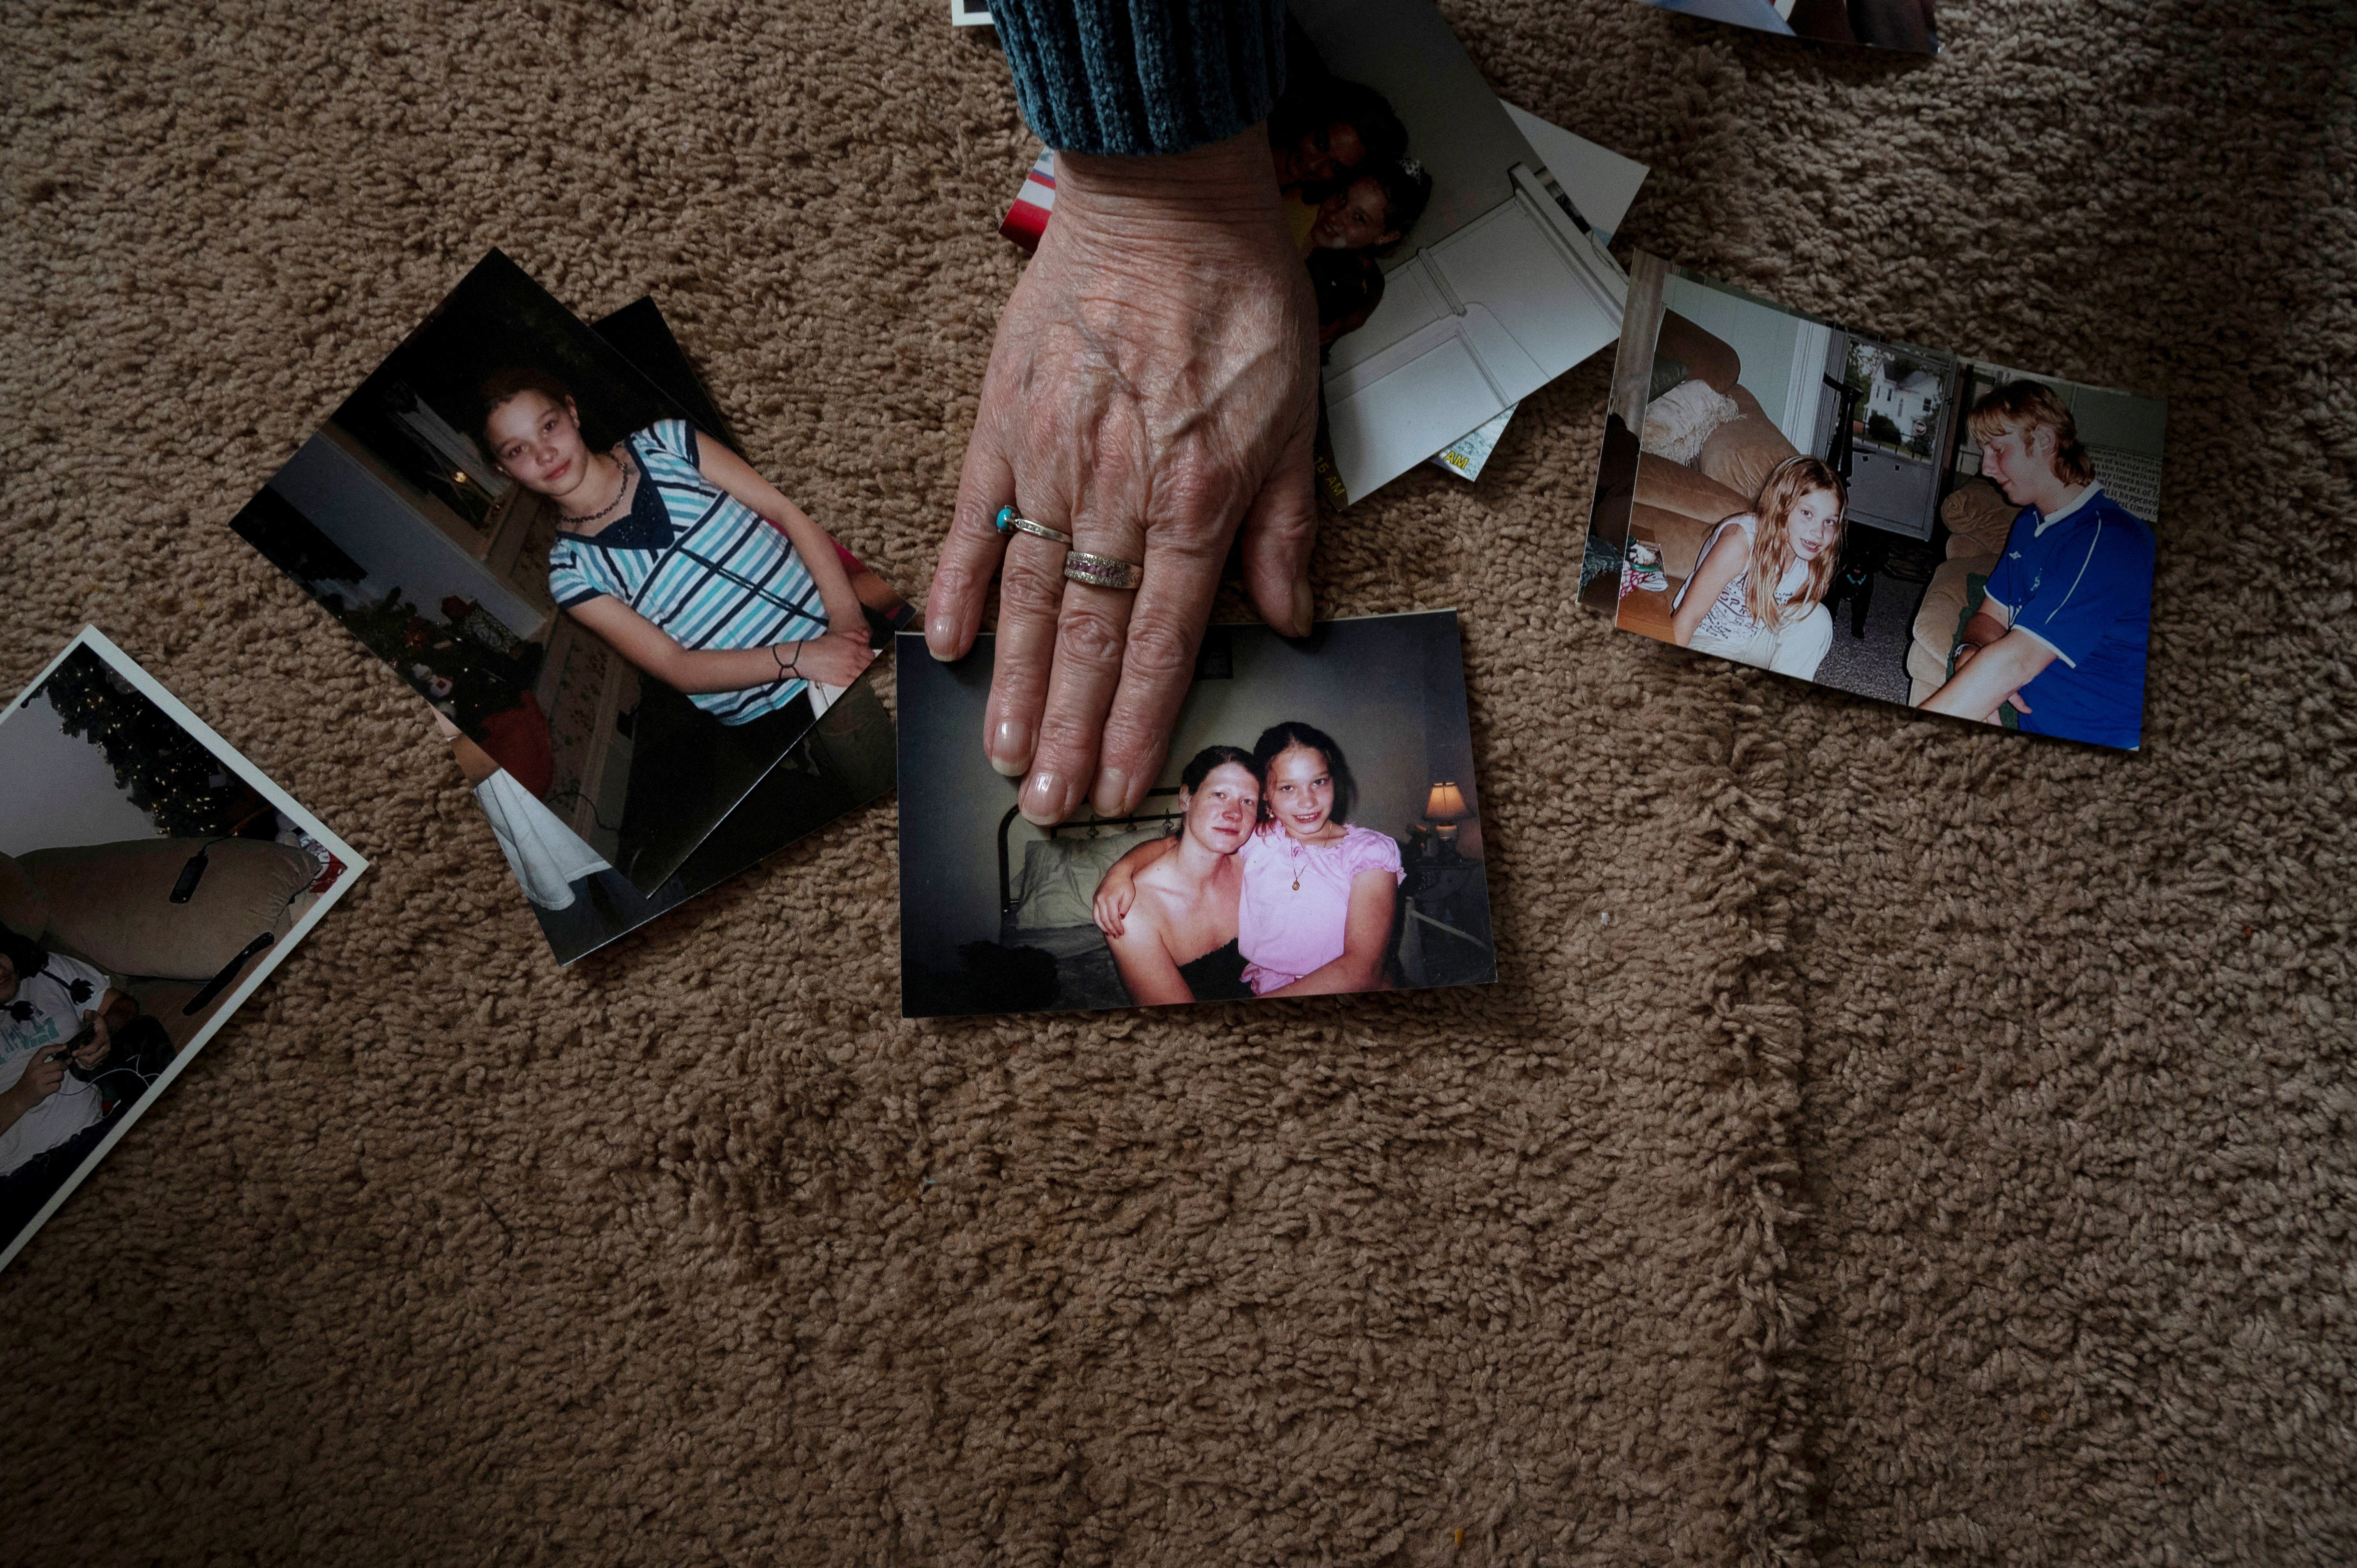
(579, 574)
(150, 878)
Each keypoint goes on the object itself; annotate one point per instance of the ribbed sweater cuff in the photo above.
(1137, 77)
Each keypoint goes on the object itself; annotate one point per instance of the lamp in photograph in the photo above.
(1445, 808)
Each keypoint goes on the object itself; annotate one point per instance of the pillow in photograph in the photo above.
(1060, 875)
(1667, 373)
(1978, 518)
(1744, 451)
(1679, 421)
(112, 903)
(1975, 590)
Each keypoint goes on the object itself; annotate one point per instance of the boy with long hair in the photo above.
(2061, 634)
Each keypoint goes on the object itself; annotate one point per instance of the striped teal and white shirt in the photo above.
(704, 567)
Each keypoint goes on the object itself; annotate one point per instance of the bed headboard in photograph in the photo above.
(1063, 866)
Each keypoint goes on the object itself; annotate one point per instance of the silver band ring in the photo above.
(1101, 571)
(1006, 520)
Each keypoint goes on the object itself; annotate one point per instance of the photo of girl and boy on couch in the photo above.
(1762, 469)
(150, 878)
(1265, 866)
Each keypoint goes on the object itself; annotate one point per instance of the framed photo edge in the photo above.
(355, 865)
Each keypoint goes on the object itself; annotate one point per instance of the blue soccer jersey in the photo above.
(2081, 583)
(697, 563)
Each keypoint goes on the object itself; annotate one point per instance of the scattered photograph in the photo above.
(844, 762)
(1881, 24)
(1317, 831)
(1455, 272)
(601, 594)
(1469, 455)
(150, 880)
(1482, 280)
(1879, 517)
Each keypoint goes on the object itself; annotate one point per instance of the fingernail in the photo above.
(941, 634)
(1112, 793)
(1043, 799)
(1010, 747)
(1305, 607)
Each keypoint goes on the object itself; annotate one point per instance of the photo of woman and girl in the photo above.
(1315, 828)
(1351, 193)
(1265, 890)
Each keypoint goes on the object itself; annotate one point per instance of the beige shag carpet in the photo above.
(1888, 1142)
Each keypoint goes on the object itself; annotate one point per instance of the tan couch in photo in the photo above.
(1677, 505)
(110, 905)
(1979, 517)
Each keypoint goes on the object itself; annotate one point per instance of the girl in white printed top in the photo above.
(669, 547)
(1758, 591)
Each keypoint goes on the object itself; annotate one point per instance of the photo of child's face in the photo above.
(1300, 789)
(1323, 153)
(1354, 219)
(538, 443)
(1816, 519)
(1222, 813)
(8, 980)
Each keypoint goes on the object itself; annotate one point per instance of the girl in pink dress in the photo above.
(1318, 892)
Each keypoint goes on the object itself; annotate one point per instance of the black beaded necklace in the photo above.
(621, 488)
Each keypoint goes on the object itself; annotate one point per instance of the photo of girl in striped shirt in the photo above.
(682, 558)
(545, 529)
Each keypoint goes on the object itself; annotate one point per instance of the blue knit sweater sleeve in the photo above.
(1136, 77)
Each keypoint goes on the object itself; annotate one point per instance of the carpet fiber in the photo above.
(1889, 1140)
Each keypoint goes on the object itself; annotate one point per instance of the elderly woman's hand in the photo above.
(1153, 386)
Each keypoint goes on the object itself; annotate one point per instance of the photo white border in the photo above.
(122, 664)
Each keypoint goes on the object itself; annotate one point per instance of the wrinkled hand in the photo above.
(1153, 386)
(835, 660)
